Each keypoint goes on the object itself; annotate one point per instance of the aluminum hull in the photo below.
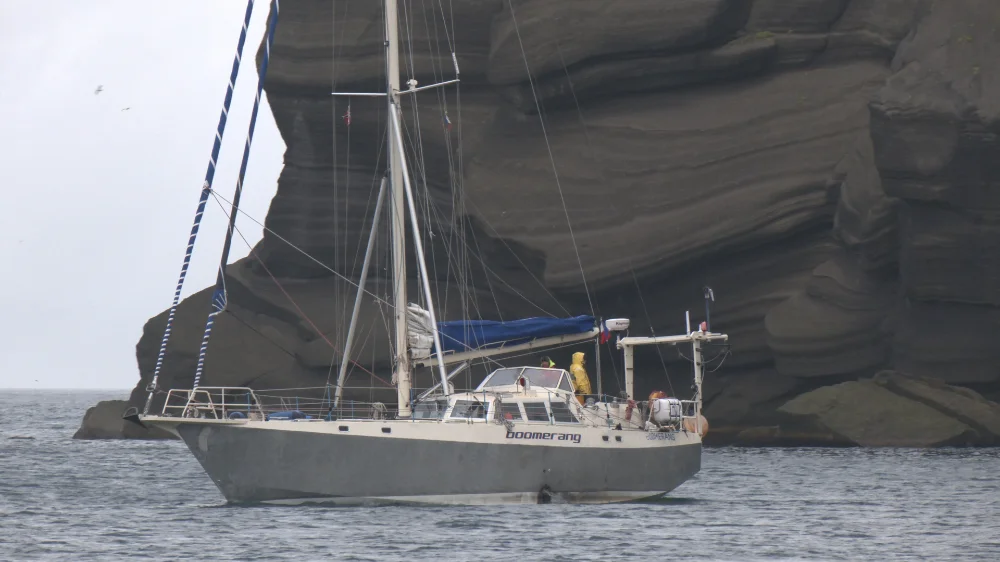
(441, 463)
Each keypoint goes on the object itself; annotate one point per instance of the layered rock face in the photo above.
(829, 167)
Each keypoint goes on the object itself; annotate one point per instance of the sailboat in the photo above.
(525, 434)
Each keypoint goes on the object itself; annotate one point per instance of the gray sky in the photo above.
(97, 202)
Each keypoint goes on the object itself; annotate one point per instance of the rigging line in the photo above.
(457, 220)
(304, 316)
(496, 303)
(614, 365)
(338, 249)
(219, 296)
(259, 333)
(535, 352)
(437, 213)
(583, 125)
(460, 191)
(304, 253)
(552, 159)
(649, 321)
(458, 205)
(490, 271)
(376, 177)
(364, 342)
(518, 258)
(725, 356)
(335, 156)
(449, 247)
(486, 268)
(579, 112)
(434, 58)
(419, 165)
(444, 24)
(202, 200)
(329, 373)
(408, 26)
(347, 177)
(454, 254)
(462, 271)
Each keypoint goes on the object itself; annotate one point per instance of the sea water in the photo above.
(62, 499)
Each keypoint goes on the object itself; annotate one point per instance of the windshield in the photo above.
(502, 377)
(543, 377)
(536, 376)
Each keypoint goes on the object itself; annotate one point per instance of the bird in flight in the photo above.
(126, 109)
(99, 89)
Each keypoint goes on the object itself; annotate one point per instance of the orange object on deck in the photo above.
(690, 425)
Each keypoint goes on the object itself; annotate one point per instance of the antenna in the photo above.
(709, 298)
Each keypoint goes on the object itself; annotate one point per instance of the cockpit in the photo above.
(535, 377)
(510, 394)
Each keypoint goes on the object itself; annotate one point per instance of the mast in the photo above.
(402, 361)
(696, 359)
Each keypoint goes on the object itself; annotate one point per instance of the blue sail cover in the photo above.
(467, 335)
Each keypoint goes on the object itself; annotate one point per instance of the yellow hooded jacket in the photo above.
(580, 379)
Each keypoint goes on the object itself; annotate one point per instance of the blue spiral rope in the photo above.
(219, 296)
(206, 189)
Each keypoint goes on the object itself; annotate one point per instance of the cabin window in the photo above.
(503, 377)
(548, 378)
(510, 411)
(536, 411)
(561, 413)
(564, 384)
(468, 409)
(431, 410)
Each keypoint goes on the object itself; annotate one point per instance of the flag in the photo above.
(347, 116)
(605, 333)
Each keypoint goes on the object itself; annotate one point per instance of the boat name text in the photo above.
(660, 437)
(574, 437)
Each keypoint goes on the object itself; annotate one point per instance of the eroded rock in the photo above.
(963, 404)
(870, 415)
(104, 421)
(830, 167)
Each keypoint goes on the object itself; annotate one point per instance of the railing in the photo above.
(236, 403)
(241, 403)
(213, 403)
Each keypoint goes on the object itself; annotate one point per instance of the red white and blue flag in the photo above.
(605, 333)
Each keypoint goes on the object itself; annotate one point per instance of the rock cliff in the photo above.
(830, 167)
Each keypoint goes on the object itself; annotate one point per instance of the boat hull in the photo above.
(467, 464)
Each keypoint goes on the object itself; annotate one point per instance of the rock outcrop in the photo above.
(104, 421)
(829, 167)
(893, 410)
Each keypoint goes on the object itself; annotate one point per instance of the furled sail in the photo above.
(420, 334)
(467, 335)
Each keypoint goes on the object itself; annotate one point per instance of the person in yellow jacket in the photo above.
(580, 379)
